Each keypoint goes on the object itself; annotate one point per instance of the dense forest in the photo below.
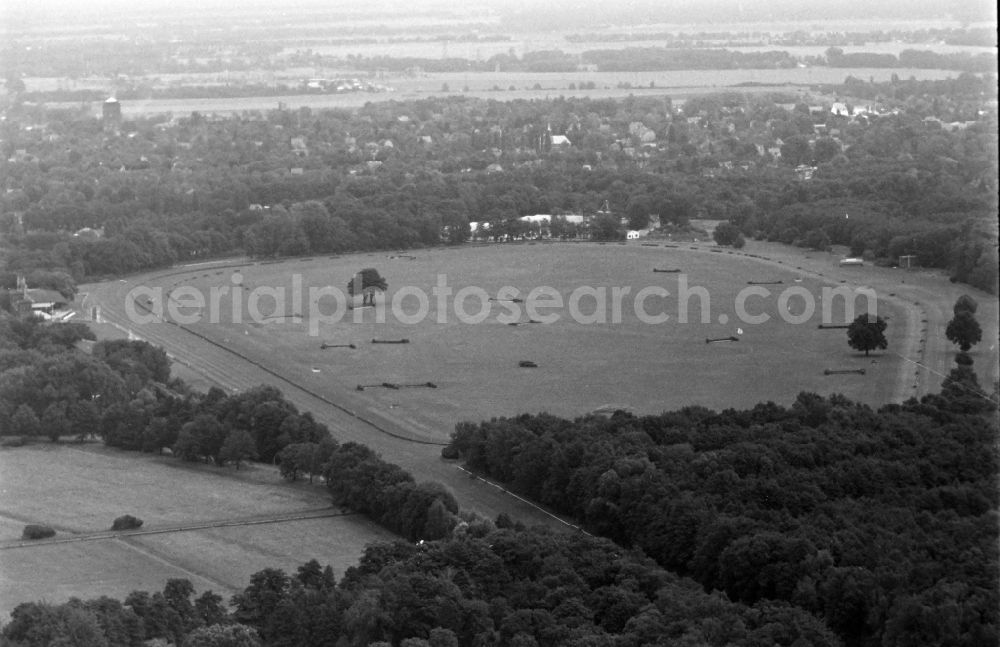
(915, 174)
(881, 522)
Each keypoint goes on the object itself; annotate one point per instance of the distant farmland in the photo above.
(677, 85)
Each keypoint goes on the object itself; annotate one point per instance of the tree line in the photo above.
(487, 584)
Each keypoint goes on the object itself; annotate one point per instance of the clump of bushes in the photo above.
(37, 531)
(126, 522)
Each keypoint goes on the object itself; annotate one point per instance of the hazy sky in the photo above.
(707, 9)
(516, 14)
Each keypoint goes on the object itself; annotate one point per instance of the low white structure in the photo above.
(852, 261)
(546, 219)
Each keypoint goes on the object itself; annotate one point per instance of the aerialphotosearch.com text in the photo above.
(317, 306)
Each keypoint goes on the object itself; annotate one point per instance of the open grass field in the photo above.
(231, 555)
(55, 573)
(648, 368)
(644, 367)
(79, 491)
(90, 488)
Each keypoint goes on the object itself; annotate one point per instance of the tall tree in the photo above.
(365, 283)
(726, 233)
(796, 150)
(867, 333)
(237, 447)
(208, 433)
(24, 422)
(964, 330)
(296, 459)
(84, 418)
(605, 227)
(54, 422)
(965, 303)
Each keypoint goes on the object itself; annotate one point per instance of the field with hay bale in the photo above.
(622, 362)
(203, 523)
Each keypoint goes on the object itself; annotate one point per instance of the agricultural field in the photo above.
(677, 85)
(548, 41)
(79, 490)
(627, 363)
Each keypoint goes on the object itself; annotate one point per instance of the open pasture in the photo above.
(83, 490)
(231, 555)
(56, 572)
(626, 363)
(80, 491)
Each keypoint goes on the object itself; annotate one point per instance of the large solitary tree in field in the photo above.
(365, 283)
(963, 330)
(867, 333)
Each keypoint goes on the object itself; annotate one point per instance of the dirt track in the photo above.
(927, 297)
